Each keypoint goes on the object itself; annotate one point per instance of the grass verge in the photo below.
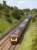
(30, 38)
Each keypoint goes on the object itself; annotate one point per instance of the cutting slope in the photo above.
(30, 38)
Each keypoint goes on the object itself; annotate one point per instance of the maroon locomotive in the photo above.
(16, 34)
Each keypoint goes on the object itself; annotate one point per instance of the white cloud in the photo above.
(22, 3)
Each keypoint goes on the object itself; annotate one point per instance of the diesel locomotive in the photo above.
(16, 34)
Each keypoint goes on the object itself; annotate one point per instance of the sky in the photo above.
(22, 3)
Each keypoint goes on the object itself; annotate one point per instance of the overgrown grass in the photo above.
(6, 26)
(30, 38)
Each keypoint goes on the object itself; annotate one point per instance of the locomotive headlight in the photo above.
(14, 39)
(11, 39)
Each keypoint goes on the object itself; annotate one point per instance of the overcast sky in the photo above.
(22, 3)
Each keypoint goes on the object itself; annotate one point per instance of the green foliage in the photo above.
(34, 10)
(34, 44)
(34, 18)
(1, 7)
(12, 11)
(26, 10)
(8, 18)
(16, 13)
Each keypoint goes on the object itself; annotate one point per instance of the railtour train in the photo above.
(16, 34)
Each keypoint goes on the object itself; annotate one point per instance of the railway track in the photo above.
(14, 47)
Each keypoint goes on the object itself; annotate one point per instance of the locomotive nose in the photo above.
(13, 40)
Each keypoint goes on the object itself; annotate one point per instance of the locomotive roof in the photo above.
(15, 31)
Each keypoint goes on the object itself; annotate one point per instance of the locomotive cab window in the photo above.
(13, 38)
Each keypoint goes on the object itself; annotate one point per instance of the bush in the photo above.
(8, 18)
(33, 20)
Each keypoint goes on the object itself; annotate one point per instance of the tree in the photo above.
(1, 6)
(34, 11)
(34, 18)
(4, 3)
(16, 13)
(26, 11)
(8, 18)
